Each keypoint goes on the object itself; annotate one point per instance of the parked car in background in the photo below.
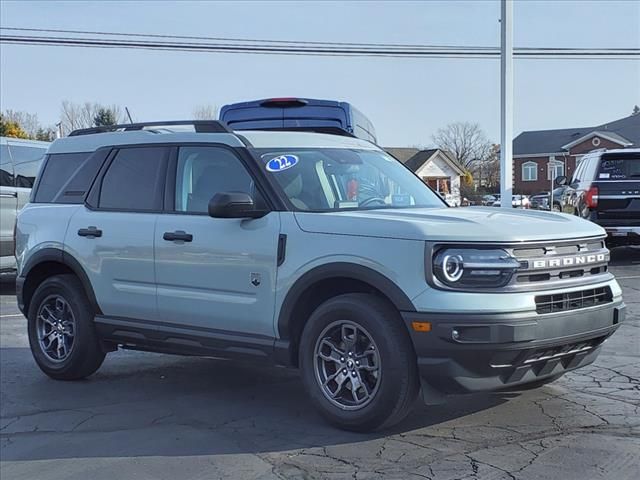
(489, 199)
(605, 188)
(19, 164)
(541, 201)
(299, 114)
(517, 201)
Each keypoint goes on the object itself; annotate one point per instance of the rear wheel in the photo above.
(358, 364)
(62, 334)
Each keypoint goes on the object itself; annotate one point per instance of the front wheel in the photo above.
(358, 364)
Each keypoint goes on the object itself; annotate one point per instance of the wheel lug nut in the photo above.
(358, 362)
(353, 373)
(342, 359)
(351, 354)
(344, 371)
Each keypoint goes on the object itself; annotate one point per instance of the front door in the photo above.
(215, 273)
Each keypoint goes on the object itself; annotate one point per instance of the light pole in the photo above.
(506, 103)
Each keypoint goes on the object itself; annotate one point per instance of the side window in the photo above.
(25, 173)
(135, 180)
(578, 171)
(204, 171)
(66, 175)
(6, 168)
(21, 154)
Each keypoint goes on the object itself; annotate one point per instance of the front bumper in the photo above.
(466, 353)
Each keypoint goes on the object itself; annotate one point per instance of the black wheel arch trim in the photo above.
(339, 270)
(59, 256)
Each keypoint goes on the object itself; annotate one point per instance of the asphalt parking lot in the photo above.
(150, 416)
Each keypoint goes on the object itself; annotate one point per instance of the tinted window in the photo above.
(22, 154)
(25, 173)
(6, 169)
(135, 180)
(620, 167)
(204, 171)
(66, 174)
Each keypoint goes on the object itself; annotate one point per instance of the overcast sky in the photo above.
(407, 99)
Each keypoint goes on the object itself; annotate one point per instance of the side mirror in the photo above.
(561, 181)
(233, 205)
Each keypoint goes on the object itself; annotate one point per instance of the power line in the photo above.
(441, 52)
(321, 43)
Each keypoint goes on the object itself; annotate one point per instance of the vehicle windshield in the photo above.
(330, 179)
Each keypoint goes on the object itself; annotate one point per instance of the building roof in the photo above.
(415, 159)
(625, 131)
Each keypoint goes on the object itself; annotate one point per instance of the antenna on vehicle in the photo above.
(126, 109)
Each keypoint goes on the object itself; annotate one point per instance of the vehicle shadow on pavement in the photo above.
(142, 404)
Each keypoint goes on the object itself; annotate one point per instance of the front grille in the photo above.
(546, 264)
(561, 302)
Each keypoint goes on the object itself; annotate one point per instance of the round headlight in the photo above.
(452, 267)
(469, 267)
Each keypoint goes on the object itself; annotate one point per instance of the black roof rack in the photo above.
(200, 126)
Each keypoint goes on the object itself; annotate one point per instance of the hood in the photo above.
(467, 224)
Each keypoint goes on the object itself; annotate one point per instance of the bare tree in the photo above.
(75, 115)
(205, 112)
(465, 141)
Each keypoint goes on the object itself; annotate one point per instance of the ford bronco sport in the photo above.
(306, 250)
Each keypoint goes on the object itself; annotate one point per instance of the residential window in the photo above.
(555, 169)
(529, 171)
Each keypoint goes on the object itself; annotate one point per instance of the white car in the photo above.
(19, 164)
(517, 201)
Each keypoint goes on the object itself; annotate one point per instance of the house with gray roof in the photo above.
(435, 167)
(541, 155)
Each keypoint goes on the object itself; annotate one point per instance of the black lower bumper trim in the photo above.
(471, 353)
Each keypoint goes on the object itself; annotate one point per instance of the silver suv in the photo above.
(305, 250)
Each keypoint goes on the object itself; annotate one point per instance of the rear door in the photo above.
(8, 208)
(112, 235)
(618, 183)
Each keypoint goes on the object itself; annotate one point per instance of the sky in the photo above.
(406, 99)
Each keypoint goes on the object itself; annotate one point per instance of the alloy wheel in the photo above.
(347, 365)
(56, 328)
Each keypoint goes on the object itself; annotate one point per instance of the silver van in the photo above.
(19, 164)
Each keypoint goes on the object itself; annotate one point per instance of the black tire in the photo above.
(398, 383)
(85, 353)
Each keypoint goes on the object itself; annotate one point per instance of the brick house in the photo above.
(435, 167)
(539, 156)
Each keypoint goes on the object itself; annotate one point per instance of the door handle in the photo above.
(177, 235)
(91, 232)
(9, 194)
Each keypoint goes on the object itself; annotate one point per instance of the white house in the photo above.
(435, 167)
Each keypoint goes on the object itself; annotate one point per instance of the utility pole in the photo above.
(506, 103)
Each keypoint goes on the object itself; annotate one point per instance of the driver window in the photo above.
(204, 171)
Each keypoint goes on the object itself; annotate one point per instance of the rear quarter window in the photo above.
(66, 177)
(619, 167)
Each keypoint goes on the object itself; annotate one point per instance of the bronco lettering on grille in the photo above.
(570, 261)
